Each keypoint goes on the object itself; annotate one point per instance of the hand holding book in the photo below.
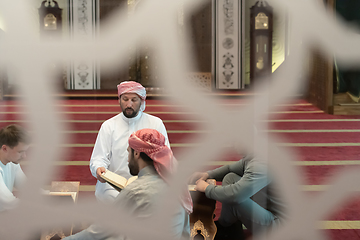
(115, 180)
(99, 171)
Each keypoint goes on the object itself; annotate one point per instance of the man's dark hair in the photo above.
(12, 134)
(144, 157)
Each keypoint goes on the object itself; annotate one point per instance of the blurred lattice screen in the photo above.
(142, 60)
(109, 79)
(199, 26)
(201, 38)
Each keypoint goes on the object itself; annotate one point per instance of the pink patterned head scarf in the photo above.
(152, 143)
(133, 87)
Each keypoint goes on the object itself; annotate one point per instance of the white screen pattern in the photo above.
(156, 22)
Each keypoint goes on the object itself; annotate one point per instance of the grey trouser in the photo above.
(251, 214)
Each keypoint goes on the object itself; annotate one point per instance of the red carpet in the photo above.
(325, 144)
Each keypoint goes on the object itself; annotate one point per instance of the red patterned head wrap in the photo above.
(133, 87)
(152, 143)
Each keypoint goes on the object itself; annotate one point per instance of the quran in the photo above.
(117, 181)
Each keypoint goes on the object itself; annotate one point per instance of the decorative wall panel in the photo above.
(83, 25)
(229, 44)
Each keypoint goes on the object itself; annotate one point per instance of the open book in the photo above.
(117, 181)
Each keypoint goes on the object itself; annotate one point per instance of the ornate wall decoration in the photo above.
(199, 226)
(202, 80)
(83, 18)
(229, 41)
(83, 26)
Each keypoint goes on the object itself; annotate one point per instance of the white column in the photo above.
(229, 44)
(83, 25)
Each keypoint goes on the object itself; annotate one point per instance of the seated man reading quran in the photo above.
(247, 195)
(152, 161)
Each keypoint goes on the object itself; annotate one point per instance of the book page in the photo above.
(114, 179)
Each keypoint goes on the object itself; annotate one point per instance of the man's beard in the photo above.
(132, 113)
(133, 166)
(134, 170)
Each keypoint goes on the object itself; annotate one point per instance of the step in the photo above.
(344, 105)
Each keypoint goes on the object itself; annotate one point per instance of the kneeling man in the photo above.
(153, 162)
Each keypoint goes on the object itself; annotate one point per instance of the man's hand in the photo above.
(201, 185)
(198, 175)
(99, 171)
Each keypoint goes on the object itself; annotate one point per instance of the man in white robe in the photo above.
(112, 141)
(14, 142)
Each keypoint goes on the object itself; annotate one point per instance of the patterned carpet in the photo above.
(325, 145)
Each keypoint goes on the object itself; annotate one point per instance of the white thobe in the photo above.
(11, 175)
(110, 149)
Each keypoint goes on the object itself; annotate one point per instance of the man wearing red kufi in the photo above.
(154, 163)
(112, 141)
